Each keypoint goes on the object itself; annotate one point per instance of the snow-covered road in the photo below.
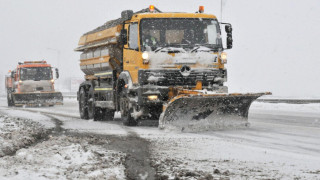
(281, 143)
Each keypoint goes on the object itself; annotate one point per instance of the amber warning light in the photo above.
(201, 9)
(151, 8)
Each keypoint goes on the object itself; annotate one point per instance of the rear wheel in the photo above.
(83, 104)
(108, 115)
(98, 114)
(126, 110)
(103, 114)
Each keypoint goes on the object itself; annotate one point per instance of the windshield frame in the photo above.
(190, 47)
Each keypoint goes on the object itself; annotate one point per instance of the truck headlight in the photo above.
(153, 97)
(223, 58)
(145, 57)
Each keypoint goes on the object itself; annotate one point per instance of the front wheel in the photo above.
(126, 110)
(10, 100)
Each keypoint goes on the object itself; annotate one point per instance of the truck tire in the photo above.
(126, 110)
(108, 115)
(98, 114)
(83, 104)
(91, 106)
(10, 100)
(103, 114)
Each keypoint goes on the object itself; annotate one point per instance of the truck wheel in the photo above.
(83, 104)
(91, 106)
(103, 114)
(108, 115)
(10, 100)
(126, 110)
(98, 114)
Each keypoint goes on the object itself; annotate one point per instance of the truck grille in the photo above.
(174, 77)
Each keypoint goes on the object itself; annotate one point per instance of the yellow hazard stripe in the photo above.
(103, 89)
(101, 74)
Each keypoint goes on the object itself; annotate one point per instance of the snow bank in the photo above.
(16, 133)
(64, 158)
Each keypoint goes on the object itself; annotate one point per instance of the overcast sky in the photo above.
(275, 41)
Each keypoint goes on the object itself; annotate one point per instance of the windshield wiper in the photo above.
(210, 46)
(171, 47)
(195, 49)
(159, 48)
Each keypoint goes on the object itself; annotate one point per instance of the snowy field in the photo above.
(53, 143)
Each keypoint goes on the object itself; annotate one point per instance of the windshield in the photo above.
(184, 33)
(36, 73)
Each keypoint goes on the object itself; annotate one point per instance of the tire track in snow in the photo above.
(138, 159)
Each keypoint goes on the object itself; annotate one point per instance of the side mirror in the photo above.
(57, 73)
(12, 74)
(228, 29)
(126, 15)
(123, 36)
(229, 41)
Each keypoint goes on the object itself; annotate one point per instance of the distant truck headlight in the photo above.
(153, 97)
(223, 58)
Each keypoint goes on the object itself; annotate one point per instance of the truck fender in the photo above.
(126, 78)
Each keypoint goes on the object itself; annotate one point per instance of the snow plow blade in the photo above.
(204, 112)
(35, 99)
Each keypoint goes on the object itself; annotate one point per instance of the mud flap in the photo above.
(43, 98)
(193, 113)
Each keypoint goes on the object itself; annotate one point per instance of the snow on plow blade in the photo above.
(43, 98)
(193, 113)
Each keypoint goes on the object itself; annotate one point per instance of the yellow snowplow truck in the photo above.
(170, 67)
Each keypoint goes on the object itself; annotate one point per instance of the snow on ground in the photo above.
(36, 117)
(30, 150)
(16, 133)
(63, 158)
(292, 108)
(197, 156)
(281, 143)
(90, 126)
(284, 144)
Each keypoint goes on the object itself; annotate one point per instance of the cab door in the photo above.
(132, 59)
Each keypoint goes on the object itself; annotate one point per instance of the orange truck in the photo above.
(32, 83)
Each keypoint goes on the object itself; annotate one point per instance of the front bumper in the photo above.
(43, 98)
(152, 90)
